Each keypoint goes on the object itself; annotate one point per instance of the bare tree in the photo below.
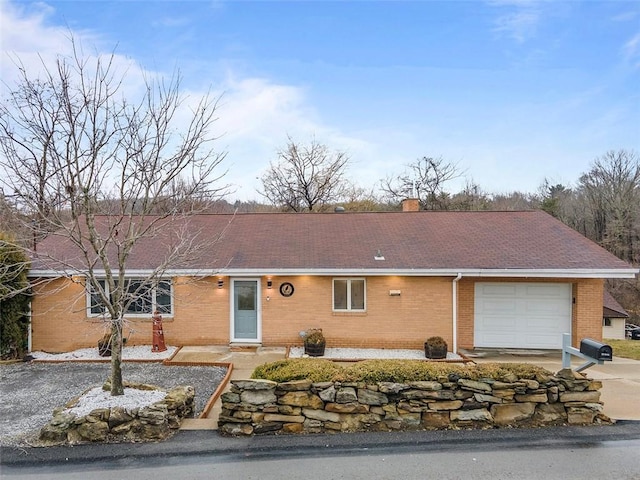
(105, 173)
(471, 198)
(607, 209)
(425, 180)
(305, 177)
(514, 201)
(611, 189)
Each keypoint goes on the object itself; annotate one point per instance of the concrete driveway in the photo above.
(620, 378)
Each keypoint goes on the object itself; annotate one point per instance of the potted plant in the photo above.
(435, 348)
(104, 345)
(314, 342)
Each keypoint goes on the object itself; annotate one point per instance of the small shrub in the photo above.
(435, 347)
(436, 342)
(314, 336)
(297, 369)
(399, 371)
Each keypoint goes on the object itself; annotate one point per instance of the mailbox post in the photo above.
(594, 352)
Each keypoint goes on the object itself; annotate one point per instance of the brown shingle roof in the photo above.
(409, 241)
(611, 308)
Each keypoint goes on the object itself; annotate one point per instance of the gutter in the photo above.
(454, 292)
(369, 272)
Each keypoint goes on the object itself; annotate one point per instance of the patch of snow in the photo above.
(99, 398)
(369, 353)
(138, 352)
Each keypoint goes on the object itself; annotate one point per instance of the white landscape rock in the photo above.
(99, 398)
(369, 353)
(138, 352)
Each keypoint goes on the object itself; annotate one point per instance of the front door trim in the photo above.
(232, 331)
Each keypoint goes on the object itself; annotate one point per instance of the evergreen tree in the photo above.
(14, 299)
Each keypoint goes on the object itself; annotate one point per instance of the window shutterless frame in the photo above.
(349, 295)
(148, 300)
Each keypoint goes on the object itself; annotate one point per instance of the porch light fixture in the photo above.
(220, 282)
(269, 283)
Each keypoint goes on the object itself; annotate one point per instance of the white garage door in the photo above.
(522, 315)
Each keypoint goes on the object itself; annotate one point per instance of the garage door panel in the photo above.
(496, 289)
(547, 291)
(495, 321)
(540, 326)
(500, 339)
(521, 315)
(549, 307)
(500, 306)
(543, 341)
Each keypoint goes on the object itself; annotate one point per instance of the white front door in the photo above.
(521, 315)
(245, 311)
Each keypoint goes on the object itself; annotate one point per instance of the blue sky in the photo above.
(512, 90)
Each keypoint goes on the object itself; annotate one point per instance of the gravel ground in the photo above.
(369, 353)
(30, 391)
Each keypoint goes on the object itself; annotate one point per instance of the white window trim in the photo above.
(154, 305)
(348, 280)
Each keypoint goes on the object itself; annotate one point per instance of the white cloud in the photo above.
(521, 22)
(626, 16)
(631, 49)
(519, 25)
(255, 118)
(255, 114)
(29, 42)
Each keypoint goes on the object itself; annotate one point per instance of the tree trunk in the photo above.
(116, 357)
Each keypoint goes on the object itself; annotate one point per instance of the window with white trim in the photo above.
(145, 298)
(349, 295)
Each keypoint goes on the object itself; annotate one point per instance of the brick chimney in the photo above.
(410, 205)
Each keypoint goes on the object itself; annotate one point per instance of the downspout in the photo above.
(455, 311)
(29, 333)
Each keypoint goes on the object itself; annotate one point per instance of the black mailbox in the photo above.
(596, 350)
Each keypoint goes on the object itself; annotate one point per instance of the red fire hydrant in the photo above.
(158, 334)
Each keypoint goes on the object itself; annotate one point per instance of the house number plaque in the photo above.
(286, 289)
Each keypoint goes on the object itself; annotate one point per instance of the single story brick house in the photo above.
(614, 317)
(516, 279)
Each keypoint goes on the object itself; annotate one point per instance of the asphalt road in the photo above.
(209, 447)
(478, 460)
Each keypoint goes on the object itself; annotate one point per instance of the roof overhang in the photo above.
(378, 272)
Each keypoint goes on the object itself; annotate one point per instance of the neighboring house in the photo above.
(385, 279)
(613, 318)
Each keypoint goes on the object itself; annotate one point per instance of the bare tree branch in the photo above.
(88, 166)
(423, 179)
(305, 177)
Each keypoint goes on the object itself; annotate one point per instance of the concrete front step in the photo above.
(199, 424)
(244, 347)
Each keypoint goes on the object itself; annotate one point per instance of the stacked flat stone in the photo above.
(152, 423)
(262, 406)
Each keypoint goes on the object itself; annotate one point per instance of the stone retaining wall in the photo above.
(151, 423)
(262, 406)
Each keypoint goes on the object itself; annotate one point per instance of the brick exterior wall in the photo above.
(587, 310)
(422, 309)
(202, 313)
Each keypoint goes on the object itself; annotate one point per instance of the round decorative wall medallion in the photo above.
(286, 289)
